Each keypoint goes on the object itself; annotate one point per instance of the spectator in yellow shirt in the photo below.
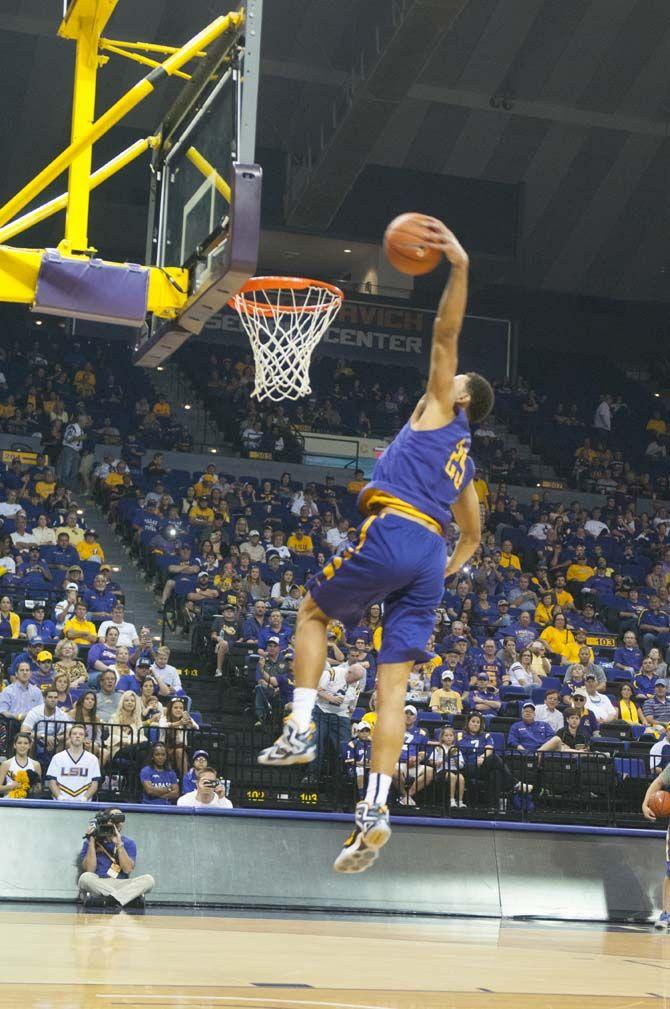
(10, 622)
(579, 570)
(356, 485)
(89, 549)
(84, 381)
(544, 610)
(563, 598)
(558, 637)
(78, 628)
(571, 653)
(200, 513)
(300, 542)
(47, 485)
(482, 492)
(656, 423)
(445, 700)
(508, 559)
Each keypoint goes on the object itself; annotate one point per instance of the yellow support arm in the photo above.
(209, 171)
(146, 47)
(136, 58)
(114, 114)
(20, 224)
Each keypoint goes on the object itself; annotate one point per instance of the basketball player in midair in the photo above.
(422, 479)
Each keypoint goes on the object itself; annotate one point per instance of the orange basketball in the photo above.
(405, 244)
(659, 804)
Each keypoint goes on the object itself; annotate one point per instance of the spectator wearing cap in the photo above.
(484, 696)
(270, 665)
(166, 675)
(99, 600)
(597, 702)
(503, 619)
(225, 632)
(133, 680)
(44, 676)
(588, 620)
(588, 723)
(204, 590)
(37, 627)
(445, 700)
(254, 548)
(548, 712)
(201, 514)
(29, 655)
(300, 542)
(199, 762)
(411, 763)
(90, 549)
(357, 755)
(527, 735)
(286, 682)
(655, 710)
(128, 636)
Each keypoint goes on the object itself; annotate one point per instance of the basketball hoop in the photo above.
(284, 318)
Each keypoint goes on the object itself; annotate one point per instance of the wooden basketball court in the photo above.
(57, 959)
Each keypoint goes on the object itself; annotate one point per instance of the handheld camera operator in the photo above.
(107, 860)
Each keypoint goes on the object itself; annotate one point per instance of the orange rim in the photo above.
(267, 284)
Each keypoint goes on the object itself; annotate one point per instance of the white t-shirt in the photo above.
(73, 775)
(335, 538)
(8, 564)
(333, 679)
(600, 705)
(191, 799)
(127, 632)
(24, 537)
(603, 417)
(553, 718)
(44, 536)
(8, 509)
(36, 715)
(168, 675)
(518, 677)
(595, 528)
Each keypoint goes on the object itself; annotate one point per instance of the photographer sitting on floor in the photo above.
(107, 859)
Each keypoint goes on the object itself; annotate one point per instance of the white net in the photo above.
(285, 318)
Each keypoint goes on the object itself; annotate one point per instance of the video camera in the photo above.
(104, 823)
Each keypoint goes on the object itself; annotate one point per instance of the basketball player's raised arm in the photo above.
(447, 326)
(466, 512)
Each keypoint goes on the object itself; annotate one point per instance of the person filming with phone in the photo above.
(107, 860)
(209, 792)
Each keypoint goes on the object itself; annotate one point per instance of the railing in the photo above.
(577, 787)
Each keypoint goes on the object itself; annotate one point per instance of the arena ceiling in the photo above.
(570, 98)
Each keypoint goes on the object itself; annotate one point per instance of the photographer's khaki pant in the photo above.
(123, 890)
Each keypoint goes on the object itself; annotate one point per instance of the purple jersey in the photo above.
(426, 470)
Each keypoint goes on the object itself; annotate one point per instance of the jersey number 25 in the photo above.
(455, 468)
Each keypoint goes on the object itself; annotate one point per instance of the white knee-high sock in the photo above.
(378, 788)
(303, 704)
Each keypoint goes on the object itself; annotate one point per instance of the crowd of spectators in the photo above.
(48, 385)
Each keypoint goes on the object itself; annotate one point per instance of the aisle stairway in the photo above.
(141, 606)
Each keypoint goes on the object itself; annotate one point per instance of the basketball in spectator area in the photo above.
(405, 245)
(659, 804)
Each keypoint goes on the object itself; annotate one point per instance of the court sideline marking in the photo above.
(176, 999)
